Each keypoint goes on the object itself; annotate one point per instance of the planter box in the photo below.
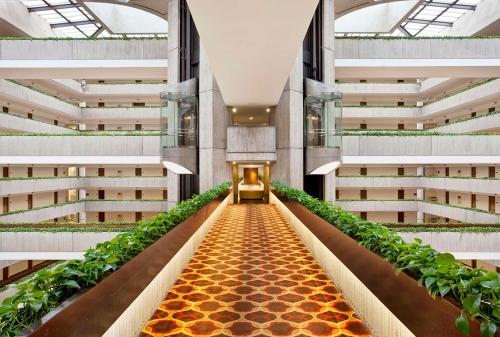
(122, 303)
(390, 304)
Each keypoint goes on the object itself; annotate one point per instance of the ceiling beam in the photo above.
(448, 5)
(71, 24)
(430, 22)
(53, 7)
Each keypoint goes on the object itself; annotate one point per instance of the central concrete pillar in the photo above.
(214, 120)
(289, 122)
(173, 77)
(82, 195)
(329, 77)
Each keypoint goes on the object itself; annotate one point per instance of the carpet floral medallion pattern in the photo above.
(253, 276)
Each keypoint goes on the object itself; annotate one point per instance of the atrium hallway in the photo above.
(253, 276)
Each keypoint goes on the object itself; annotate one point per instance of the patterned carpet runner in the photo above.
(252, 276)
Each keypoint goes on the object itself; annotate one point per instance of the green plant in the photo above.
(63, 229)
(372, 37)
(84, 134)
(48, 288)
(477, 290)
(429, 228)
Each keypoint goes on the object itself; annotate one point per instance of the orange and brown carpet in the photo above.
(253, 276)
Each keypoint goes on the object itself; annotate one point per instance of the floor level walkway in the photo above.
(252, 276)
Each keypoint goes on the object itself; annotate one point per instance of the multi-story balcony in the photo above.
(470, 185)
(446, 211)
(13, 123)
(14, 186)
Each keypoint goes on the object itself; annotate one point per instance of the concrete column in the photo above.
(172, 189)
(82, 126)
(420, 217)
(236, 199)
(173, 41)
(420, 193)
(214, 120)
(328, 42)
(266, 182)
(330, 186)
(420, 126)
(329, 75)
(82, 195)
(420, 171)
(173, 77)
(288, 120)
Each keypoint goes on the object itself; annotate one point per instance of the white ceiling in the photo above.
(252, 45)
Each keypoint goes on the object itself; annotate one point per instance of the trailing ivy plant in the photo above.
(477, 290)
(48, 288)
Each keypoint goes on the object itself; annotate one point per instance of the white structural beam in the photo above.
(91, 69)
(57, 256)
(416, 68)
(416, 160)
(254, 40)
(80, 160)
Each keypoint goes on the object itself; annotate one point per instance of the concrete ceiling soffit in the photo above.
(252, 45)
(343, 7)
(379, 18)
(127, 19)
(156, 7)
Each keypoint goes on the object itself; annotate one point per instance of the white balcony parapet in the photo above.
(13, 92)
(57, 211)
(409, 146)
(478, 124)
(121, 114)
(43, 214)
(469, 185)
(472, 48)
(480, 94)
(142, 182)
(26, 185)
(126, 206)
(125, 90)
(457, 241)
(68, 146)
(447, 211)
(51, 242)
(378, 205)
(368, 112)
(20, 124)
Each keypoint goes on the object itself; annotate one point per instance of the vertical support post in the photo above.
(420, 194)
(235, 183)
(82, 194)
(267, 169)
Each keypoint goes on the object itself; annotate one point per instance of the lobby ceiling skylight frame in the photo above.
(432, 16)
(66, 16)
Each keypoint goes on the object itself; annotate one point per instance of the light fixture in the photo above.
(234, 109)
(234, 163)
(251, 118)
(268, 110)
(267, 162)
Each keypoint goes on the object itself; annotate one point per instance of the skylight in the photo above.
(430, 18)
(68, 18)
(433, 16)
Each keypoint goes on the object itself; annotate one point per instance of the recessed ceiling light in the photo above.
(268, 110)
(251, 118)
(234, 109)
